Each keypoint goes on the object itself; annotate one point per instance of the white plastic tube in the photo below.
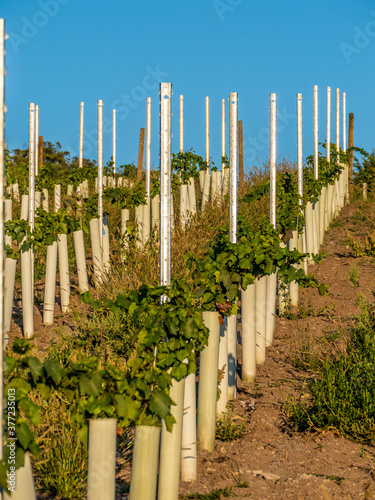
(101, 471)
(145, 463)
(97, 256)
(155, 211)
(207, 395)
(170, 447)
(293, 286)
(309, 228)
(45, 204)
(125, 215)
(64, 272)
(106, 249)
(260, 319)
(50, 284)
(146, 220)
(27, 294)
(192, 197)
(271, 308)
(231, 326)
(79, 249)
(183, 205)
(10, 277)
(221, 406)
(248, 334)
(24, 487)
(189, 431)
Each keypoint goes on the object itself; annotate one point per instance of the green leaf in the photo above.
(160, 403)
(126, 407)
(24, 435)
(36, 367)
(91, 386)
(31, 410)
(54, 370)
(83, 435)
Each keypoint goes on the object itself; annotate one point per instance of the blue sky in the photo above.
(61, 52)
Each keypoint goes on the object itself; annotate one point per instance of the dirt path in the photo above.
(272, 461)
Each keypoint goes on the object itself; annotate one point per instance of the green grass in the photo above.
(343, 393)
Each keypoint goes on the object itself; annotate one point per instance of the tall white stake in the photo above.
(316, 132)
(100, 169)
(223, 132)
(31, 165)
(165, 183)
(328, 124)
(338, 122)
(81, 134)
(114, 140)
(273, 132)
(207, 132)
(148, 147)
(233, 168)
(181, 102)
(36, 140)
(299, 148)
(344, 122)
(2, 238)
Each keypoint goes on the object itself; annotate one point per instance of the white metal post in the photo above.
(223, 133)
(148, 147)
(328, 124)
(208, 133)
(338, 122)
(181, 103)
(165, 183)
(36, 140)
(31, 165)
(114, 140)
(273, 148)
(316, 132)
(2, 237)
(233, 168)
(299, 148)
(344, 122)
(100, 169)
(81, 134)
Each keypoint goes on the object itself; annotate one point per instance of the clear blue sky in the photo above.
(61, 52)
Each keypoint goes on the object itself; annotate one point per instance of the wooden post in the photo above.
(40, 151)
(140, 153)
(351, 144)
(240, 154)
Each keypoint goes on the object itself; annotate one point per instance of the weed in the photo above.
(337, 479)
(228, 430)
(361, 247)
(354, 276)
(213, 495)
(62, 467)
(343, 396)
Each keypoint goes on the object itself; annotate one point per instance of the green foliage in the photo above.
(226, 267)
(62, 467)
(362, 247)
(229, 431)
(343, 396)
(188, 165)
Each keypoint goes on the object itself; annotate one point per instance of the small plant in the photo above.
(354, 276)
(213, 495)
(343, 395)
(62, 467)
(228, 430)
(362, 247)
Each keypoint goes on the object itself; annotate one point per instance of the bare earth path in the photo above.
(271, 458)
